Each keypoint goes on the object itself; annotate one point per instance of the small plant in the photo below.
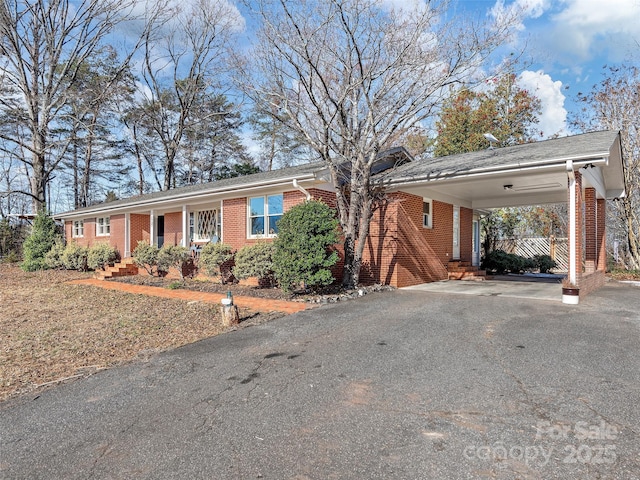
(42, 238)
(254, 261)
(501, 262)
(146, 256)
(213, 256)
(304, 251)
(74, 257)
(175, 285)
(100, 255)
(54, 256)
(173, 256)
(544, 263)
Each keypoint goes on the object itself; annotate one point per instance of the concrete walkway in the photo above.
(252, 303)
(496, 288)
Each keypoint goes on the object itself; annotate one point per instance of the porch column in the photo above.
(601, 238)
(185, 226)
(575, 224)
(591, 231)
(127, 235)
(152, 227)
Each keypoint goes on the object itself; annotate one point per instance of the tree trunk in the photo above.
(632, 237)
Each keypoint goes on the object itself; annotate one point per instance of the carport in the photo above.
(584, 170)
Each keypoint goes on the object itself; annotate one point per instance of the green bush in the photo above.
(212, 256)
(54, 256)
(42, 238)
(173, 256)
(100, 255)
(303, 249)
(74, 257)
(501, 262)
(544, 263)
(146, 256)
(254, 261)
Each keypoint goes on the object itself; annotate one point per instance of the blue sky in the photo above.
(568, 42)
(565, 45)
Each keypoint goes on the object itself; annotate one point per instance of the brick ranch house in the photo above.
(431, 217)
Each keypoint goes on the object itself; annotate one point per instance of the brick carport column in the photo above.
(590, 231)
(601, 237)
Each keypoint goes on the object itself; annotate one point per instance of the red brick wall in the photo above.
(466, 234)
(139, 229)
(601, 237)
(234, 222)
(401, 252)
(173, 228)
(116, 237)
(590, 230)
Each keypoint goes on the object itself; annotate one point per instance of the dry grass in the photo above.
(50, 330)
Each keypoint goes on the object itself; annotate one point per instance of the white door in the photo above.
(456, 233)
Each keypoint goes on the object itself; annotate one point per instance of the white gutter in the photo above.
(296, 185)
(572, 222)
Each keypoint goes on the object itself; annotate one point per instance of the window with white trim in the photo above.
(427, 213)
(103, 226)
(204, 225)
(264, 213)
(78, 228)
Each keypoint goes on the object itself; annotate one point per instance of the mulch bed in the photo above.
(330, 294)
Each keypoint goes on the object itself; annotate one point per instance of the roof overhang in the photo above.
(517, 183)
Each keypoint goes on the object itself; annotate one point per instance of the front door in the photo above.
(160, 231)
(456, 233)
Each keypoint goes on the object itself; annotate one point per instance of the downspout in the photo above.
(572, 222)
(296, 185)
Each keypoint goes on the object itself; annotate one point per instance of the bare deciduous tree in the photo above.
(185, 59)
(43, 44)
(614, 104)
(351, 74)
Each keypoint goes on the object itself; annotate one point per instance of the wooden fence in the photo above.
(556, 248)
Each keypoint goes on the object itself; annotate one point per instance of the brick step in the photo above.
(462, 269)
(124, 268)
(458, 263)
(479, 275)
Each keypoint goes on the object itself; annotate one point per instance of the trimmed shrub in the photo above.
(303, 249)
(212, 256)
(501, 262)
(544, 263)
(100, 255)
(42, 238)
(54, 256)
(173, 256)
(146, 256)
(74, 257)
(254, 261)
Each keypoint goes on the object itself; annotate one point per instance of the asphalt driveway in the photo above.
(402, 385)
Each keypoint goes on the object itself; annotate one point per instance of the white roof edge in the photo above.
(104, 207)
(559, 162)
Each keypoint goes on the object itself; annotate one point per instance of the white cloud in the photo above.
(522, 9)
(584, 27)
(553, 118)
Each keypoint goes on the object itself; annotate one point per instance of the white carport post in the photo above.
(572, 223)
(185, 226)
(152, 227)
(127, 235)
